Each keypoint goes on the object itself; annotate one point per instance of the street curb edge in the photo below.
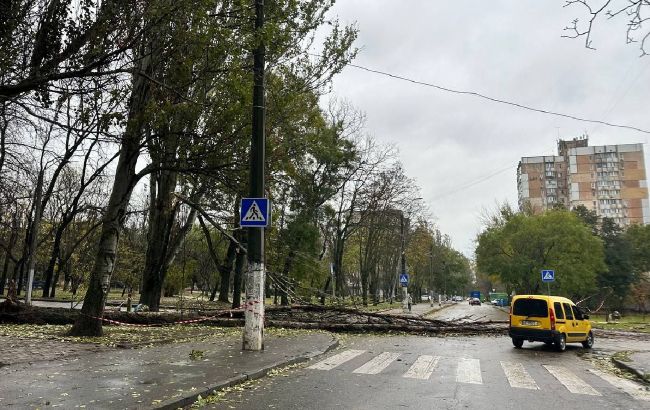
(258, 374)
(625, 366)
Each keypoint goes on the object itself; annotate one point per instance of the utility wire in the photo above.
(498, 100)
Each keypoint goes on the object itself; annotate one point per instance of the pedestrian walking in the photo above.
(410, 302)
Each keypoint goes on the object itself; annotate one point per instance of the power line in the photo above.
(498, 100)
(472, 183)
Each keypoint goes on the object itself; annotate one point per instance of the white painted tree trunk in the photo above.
(254, 307)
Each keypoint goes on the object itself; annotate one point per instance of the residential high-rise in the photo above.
(608, 179)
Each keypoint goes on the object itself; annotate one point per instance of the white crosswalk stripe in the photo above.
(518, 376)
(422, 368)
(377, 364)
(469, 371)
(336, 360)
(635, 390)
(572, 382)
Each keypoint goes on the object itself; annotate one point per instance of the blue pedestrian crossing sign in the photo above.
(255, 212)
(548, 276)
(404, 279)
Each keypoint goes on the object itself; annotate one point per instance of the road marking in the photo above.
(336, 360)
(377, 364)
(469, 371)
(518, 376)
(572, 382)
(628, 386)
(422, 368)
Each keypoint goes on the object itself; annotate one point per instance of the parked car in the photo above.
(475, 301)
(38, 284)
(554, 320)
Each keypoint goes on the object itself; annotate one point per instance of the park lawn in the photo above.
(633, 323)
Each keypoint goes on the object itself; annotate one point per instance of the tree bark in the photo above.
(30, 257)
(8, 254)
(162, 214)
(225, 271)
(89, 322)
(239, 268)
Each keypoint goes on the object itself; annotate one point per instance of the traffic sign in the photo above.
(548, 276)
(255, 212)
(404, 279)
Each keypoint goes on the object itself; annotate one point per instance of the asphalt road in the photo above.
(462, 311)
(391, 372)
(443, 373)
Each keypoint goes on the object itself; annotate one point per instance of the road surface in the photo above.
(374, 372)
(463, 311)
(370, 372)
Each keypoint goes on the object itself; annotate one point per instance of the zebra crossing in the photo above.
(468, 371)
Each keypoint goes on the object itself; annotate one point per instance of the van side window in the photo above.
(577, 312)
(567, 310)
(559, 313)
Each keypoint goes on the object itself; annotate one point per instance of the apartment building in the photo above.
(610, 179)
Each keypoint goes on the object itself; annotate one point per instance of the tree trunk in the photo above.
(89, 322)
(8, 254)
(54, 256)
(225, 271)
(239, 268)
(55, 280)
(284, 279)
(162, 214)
(338, 267)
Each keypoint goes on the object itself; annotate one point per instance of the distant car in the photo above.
(38, 284)
(495, 302)
(475, 301)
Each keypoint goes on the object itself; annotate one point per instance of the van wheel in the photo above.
(517, 342)
(589, 343)
(560, 343)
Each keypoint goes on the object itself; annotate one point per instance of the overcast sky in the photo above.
(508, 49)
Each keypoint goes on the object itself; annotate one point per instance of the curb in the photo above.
(630, 368)
(181, 402)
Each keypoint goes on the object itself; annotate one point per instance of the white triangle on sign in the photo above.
(548, 276)
(254, 214)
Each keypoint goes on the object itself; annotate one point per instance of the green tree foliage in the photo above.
(638, 237)
(519, 247)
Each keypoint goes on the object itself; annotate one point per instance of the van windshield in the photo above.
(530, 308)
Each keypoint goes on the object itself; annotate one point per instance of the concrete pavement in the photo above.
(162, 377)
(637, 363)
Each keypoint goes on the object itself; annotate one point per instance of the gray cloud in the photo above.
(507, 49)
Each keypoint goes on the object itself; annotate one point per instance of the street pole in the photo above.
(431, 273)
(405, 292)
(253, 338)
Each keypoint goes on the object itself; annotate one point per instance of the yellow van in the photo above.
(553, 320)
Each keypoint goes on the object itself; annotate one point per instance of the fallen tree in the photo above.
(295, 317)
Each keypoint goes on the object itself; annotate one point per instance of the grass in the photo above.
(115, 335)
(634, 323)
(129, 335)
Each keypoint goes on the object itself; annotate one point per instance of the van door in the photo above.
(571, 323)
(560, 318)
(581, 324)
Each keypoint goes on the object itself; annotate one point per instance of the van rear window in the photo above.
(530, 308)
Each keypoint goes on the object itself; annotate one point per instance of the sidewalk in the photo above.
(161, 377)
(639, 364)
